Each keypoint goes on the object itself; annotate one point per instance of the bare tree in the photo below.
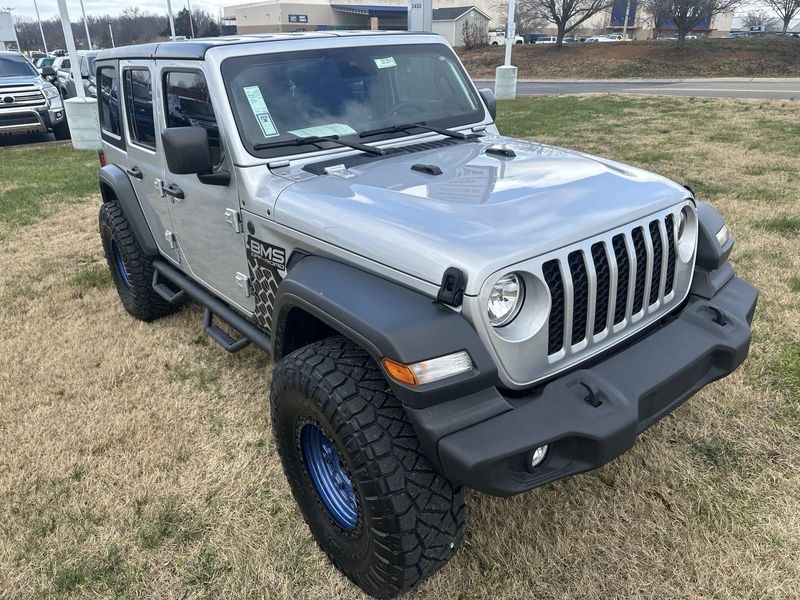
(566, 15)
(474, 35)
(760, 18)
(785, 9)
(686, 15)
(527, 16)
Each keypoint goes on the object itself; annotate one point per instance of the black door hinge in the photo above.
(452, 289)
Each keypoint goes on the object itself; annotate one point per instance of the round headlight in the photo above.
(506, 299)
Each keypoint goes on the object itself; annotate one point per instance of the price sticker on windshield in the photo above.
(385, 63)
(260, 110)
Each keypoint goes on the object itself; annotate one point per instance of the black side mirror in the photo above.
(48, 72)
(488, 98)
(188, 152)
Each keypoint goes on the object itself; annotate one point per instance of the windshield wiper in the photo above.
(420, 125)
(316, 140)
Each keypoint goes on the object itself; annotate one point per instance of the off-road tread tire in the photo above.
(140, 300)
(415, 518)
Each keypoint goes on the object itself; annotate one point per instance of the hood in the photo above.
(483, 213)
(20, 80)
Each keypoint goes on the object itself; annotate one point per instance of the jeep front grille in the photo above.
(588, 296)
(589, 284)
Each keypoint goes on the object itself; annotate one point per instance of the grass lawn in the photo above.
(770, 57)
(136, 459)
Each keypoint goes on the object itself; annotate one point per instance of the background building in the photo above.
(320, 15)
(8, 39)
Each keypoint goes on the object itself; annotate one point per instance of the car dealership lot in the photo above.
(136, 460)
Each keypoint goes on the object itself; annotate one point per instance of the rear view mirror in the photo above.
(491, 103)
(187, 150)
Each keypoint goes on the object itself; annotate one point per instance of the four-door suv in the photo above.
(28, 103)
(446, 307)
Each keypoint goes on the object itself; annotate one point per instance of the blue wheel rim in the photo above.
(120, 265)
(332, 483)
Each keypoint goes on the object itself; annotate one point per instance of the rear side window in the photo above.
(139, 106)
(188, 104)
(108, 100)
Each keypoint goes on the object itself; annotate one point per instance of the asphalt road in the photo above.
(763, 89)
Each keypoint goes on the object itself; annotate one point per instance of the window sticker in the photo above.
(324, 130)
(260, 110)
(385, 63)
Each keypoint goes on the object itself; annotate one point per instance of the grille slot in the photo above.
(552, 276)
(601, 281)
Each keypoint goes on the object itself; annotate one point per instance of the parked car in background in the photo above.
(550, 39)
(614, 37)
(532, 38)
(498, 38)
(66, 81)
(29, 103)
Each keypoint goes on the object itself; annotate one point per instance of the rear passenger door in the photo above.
(207, 219)
(144, 163)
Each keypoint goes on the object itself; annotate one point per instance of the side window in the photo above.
(139, 106)
(84, 66)
(188, 104)
(108, 100)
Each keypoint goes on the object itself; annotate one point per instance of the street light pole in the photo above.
(191, 25)
(625, 26)
(41, 29)
(505, 77)
(74, 61)
(511, 30)
(171, 19)
(111, 33)
(86, 26)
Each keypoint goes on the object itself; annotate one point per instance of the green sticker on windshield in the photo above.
(385, 63)
(260, 110)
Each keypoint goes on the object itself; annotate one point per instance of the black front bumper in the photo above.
(592, 415)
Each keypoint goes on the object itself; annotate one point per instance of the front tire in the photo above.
(131, 268)
(373, 502)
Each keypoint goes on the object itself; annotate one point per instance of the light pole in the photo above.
(191, 25)
(111, 33)
(13, 25)
(41, 30)
(74, 62)
(505, 77)
(625, 26)
(171, 19)
(86, 26)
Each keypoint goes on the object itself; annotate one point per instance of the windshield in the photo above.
(346, 91)
(47, 61)
(16, 66)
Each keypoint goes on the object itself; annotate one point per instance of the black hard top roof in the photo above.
(196, 49)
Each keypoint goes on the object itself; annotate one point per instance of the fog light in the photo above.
(537, 456)
(59, 114)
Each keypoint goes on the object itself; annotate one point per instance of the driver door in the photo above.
(207, 219)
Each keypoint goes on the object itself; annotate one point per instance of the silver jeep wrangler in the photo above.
(446, 307)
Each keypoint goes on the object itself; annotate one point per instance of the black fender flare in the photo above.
(116, 186)
(712, 269)
(387, 320)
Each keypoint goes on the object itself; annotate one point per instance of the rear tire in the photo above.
(398, 521)
(131, 268)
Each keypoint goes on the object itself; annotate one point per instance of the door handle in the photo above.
(174, 191)
(135, 172)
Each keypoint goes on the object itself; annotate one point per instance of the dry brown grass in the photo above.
(136, 460)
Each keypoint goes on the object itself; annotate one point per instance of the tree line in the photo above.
(132, 26)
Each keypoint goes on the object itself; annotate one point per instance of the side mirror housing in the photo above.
(187, 150)
(491, 102)
(48, 72)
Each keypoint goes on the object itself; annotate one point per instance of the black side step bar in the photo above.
(214, 306)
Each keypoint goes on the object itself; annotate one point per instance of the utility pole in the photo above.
(625, 26)
(41, 29)
(171, 19)
(86, 26)
(111, 33)
(74, 62)
(191, 25)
